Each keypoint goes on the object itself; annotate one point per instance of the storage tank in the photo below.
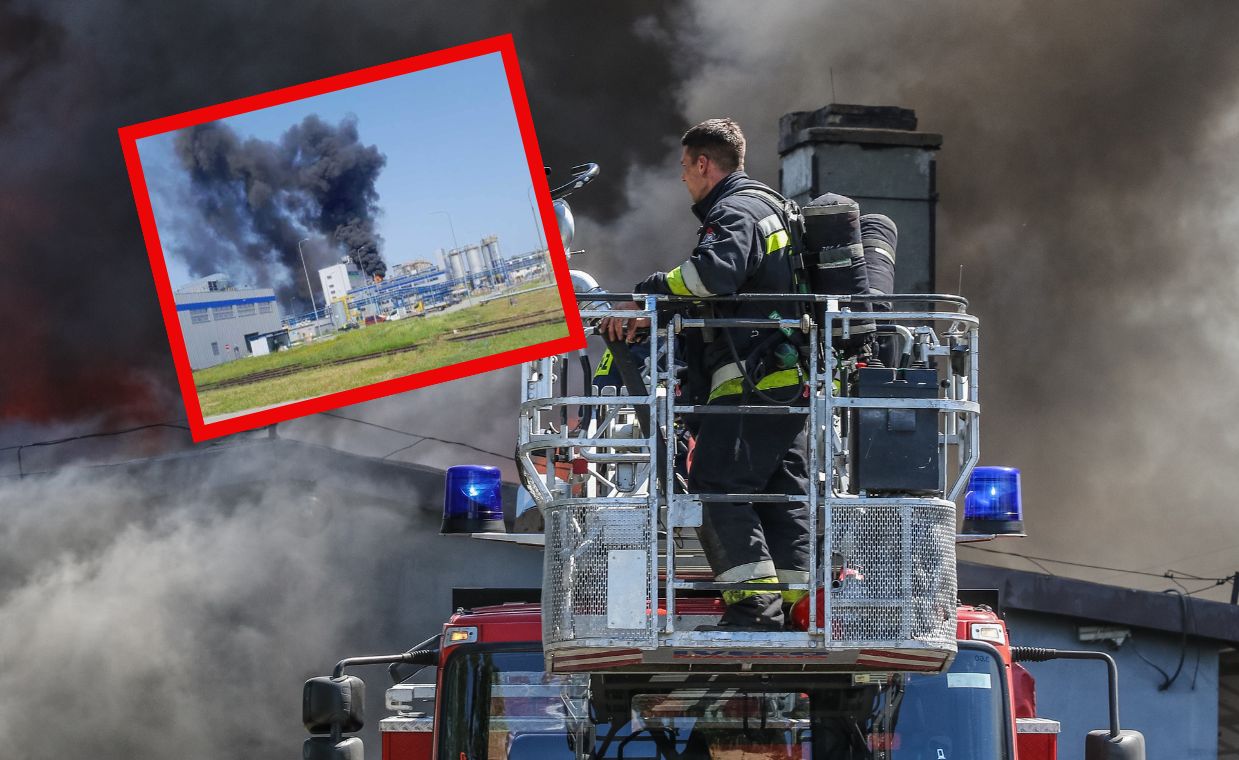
(490, 251)
(455, 264)
(476, 263)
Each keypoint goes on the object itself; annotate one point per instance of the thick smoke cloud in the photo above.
(1084, 181)
(137, 625)
(194, 618)
(78, 295)
(1087, 192)
(153, 615)
(29, 42)
(257, 199)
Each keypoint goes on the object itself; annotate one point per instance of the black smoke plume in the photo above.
(257, 199)
(195, 593)
(1086, 188)
(1086, 182)
(74, 72)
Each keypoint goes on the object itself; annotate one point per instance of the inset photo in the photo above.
(353, 237)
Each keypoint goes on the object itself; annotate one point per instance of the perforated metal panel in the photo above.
(595, 586)
(894, 561)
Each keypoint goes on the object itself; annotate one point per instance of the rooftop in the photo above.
(1055, 595)
(209, 284)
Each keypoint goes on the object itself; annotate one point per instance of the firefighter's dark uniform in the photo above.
(743, 248)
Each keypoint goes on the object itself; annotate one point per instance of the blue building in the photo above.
(219, 321)
(1178, 668)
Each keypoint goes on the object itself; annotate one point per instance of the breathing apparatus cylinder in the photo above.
(879, 236)
(834, 260)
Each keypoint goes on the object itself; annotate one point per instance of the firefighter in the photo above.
(742, 247)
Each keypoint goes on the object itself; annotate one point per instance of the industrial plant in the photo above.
(364, 328)
(221, 321)
(350, 299)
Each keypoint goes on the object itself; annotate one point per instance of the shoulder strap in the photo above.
(776, 201)
(786, 208)
(793, 220)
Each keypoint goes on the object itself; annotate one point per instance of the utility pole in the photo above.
(533, 209)
(451, 226)
(308, 287)
(546, 249)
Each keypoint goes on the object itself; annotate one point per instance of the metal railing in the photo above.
(620, 551)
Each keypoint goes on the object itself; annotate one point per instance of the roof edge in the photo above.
(1070, 597)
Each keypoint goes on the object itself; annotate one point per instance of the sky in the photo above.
(456, 167)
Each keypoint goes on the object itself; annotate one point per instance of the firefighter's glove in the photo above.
(622, 328)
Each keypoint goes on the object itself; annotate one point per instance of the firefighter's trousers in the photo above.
(752, 541)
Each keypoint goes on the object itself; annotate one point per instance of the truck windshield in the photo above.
(501, 704)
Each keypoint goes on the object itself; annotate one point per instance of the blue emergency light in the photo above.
(472, 501)
(992, 505)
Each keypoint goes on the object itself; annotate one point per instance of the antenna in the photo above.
(833, 98)
(960, 290)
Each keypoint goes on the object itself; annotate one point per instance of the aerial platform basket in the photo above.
(625, 584)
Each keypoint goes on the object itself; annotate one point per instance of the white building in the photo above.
(219, 321)
(338, 280)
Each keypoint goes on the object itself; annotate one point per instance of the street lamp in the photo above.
(537, 224)
(456, 246)
(308, 287)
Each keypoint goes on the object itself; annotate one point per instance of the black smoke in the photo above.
(29, 41)
(1086, 188)
(195, 594)
(1085, 183)
(77, 296)
(256, 200)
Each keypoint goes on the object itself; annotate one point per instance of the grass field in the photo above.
(308, 371)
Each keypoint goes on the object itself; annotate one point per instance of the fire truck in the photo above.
(614, 656)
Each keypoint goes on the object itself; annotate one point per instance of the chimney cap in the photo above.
(872, 117)
(849, 123)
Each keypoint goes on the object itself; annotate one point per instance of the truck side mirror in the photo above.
(326, 748)
(1128, 745)
(329, 704)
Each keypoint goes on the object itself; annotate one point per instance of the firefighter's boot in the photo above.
(750, 611)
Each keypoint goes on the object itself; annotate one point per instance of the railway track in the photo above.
(273, 374)
(502, 330)
(510, 319)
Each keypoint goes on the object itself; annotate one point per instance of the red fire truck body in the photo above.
(415, 735)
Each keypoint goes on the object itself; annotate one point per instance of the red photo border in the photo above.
(200, 430)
